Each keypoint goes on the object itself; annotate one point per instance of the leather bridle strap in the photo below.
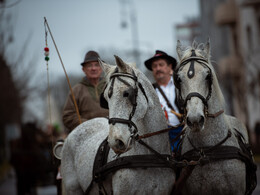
(128, 121)
(205, 102)
(195, 94)
(216, 114)
(117, 74)
(130, 124)
(195, 58)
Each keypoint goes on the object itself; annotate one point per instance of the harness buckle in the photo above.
(133, 131)
(206, 112)
(202, 154)
(203, 160)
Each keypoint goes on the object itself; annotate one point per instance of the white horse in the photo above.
(208, 129)
(134, 109)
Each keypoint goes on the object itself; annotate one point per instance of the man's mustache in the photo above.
(159, 72)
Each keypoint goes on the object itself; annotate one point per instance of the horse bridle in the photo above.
(191, 73)
(132, 98)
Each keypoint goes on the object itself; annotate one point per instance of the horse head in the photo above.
(127, 102)
(196, 84)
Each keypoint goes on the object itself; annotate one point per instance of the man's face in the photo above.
(92, 70)
(161, 69)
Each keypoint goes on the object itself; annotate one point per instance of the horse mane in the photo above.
(200, 52)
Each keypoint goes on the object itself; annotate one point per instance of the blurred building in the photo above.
(188, 31)
(242, 62)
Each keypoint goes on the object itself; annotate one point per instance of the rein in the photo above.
(159, 132)
(215, 115)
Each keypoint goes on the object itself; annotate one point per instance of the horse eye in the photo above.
(208, 77)
(110, 93)
(125, 94)
(177, 79)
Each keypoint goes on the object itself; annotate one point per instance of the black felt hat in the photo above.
(90, 57)
(160, 55)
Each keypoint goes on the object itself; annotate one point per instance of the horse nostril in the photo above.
(201, 122)
(191, 122)
(120, 144)
(188, 122)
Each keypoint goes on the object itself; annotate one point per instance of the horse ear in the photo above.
(179, 49)
(194, 44)
(207, 48)
(121, 64)
(132, 64)
(106, 67)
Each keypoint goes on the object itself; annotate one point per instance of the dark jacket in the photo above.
(87, 97)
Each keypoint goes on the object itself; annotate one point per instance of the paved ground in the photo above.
(8, 186)
(257, 190)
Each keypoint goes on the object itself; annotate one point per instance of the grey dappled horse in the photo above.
(207, 126)
(134, 108)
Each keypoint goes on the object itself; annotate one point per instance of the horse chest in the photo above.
(214, 178)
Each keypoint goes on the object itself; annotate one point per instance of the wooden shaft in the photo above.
(73, 97)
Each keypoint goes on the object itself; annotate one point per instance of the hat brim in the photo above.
(148, 63)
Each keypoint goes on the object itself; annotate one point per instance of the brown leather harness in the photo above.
(102, 168)
(185, 162)
(205, 155)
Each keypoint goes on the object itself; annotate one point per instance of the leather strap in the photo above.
(164, 96)
(134, 161)
(216, 114)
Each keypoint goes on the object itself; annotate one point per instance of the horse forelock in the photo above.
(199, 51)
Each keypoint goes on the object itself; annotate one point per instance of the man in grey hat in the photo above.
(87, 94)
(162, 65)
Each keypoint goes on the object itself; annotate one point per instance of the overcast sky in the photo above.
(80, 25)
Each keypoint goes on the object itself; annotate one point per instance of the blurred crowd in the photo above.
(32, 158)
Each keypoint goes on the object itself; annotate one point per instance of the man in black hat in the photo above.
(87, 94)
(163, 66)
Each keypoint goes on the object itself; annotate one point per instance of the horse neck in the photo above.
(154, 120)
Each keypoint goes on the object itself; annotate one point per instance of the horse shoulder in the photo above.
(235, 123)
(79, 150)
